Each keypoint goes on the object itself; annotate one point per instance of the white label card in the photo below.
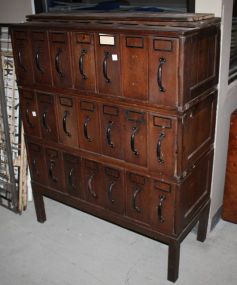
(33, 113)
(106, 40)
(114, 57)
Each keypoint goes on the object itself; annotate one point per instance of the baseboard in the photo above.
(216, 218)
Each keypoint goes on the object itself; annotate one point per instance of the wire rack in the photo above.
(13, 166)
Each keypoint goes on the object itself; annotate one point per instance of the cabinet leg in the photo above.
(173, 261)
(39, 207)
(202, 225)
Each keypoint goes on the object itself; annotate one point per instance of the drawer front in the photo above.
(137, 197)
(84, 61)
(54, 168)
(67, 121)
(29, 112)
(163, 71)
(22, 57)
(162, 144)
(73, 175)
(37, 165)
(135, 67)
(114, 189)
(47, 114)
(60, 59)
(41, 57)
(93, 182)
(162, 206)
(89, 128)
(111, 130)
(108, 64)
(135, 137)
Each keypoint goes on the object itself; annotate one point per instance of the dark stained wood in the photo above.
(83, 55)
(229, 212)
(29, 112)
(130, 100)
(41, 57)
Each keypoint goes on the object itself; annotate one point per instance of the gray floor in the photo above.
(75, 248)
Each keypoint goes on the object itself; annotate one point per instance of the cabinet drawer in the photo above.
(73, 175)
(67, 121)
(89, 128)
(84, 61)
(108, 63)
(93, 182)
(37, 165)
(135, 66)
(114, 189)
(22, 56)
(29, 112)
(54, 168)
(41, 57)
(111, 130)
(135, 136)
(163, 71)
(60, 59)
(47, 114)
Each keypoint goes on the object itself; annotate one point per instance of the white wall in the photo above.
(227, 99)
(14, 11)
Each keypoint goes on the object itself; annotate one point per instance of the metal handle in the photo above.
(37, 60)
(81, 64)
(108, 134)
(51, 168)
(58, 63)
(160, 209)
(28, 118)
(20, 60)
(44, 122)
(70, 179)
(158, 149)
(134, 196)
(105, 67)
(91, 191)
(34, 167)
(66, 113)
(159, 74)
(111, 186)
(132, 141)
(86, 129)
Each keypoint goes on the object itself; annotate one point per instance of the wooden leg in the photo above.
(173, 261)
(202, 225)
(39, 207)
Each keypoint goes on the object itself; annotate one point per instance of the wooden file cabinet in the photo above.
(119, 117)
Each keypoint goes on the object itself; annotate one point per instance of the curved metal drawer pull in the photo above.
(51, 168)
(44, 121)
(66, 113)
(134, 196)
(159, 74)
(132, 141)
(20, 60)
(160, 209)
(37, 60)
(108, 134)
(28, 118)
(58, 62)
(105, 67)
(81, 64)
(34, 167)
(111, 186)
(86, 129)
(70, 179)
(158, 149)
(91, 191)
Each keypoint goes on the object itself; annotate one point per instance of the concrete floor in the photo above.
(75, 248)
